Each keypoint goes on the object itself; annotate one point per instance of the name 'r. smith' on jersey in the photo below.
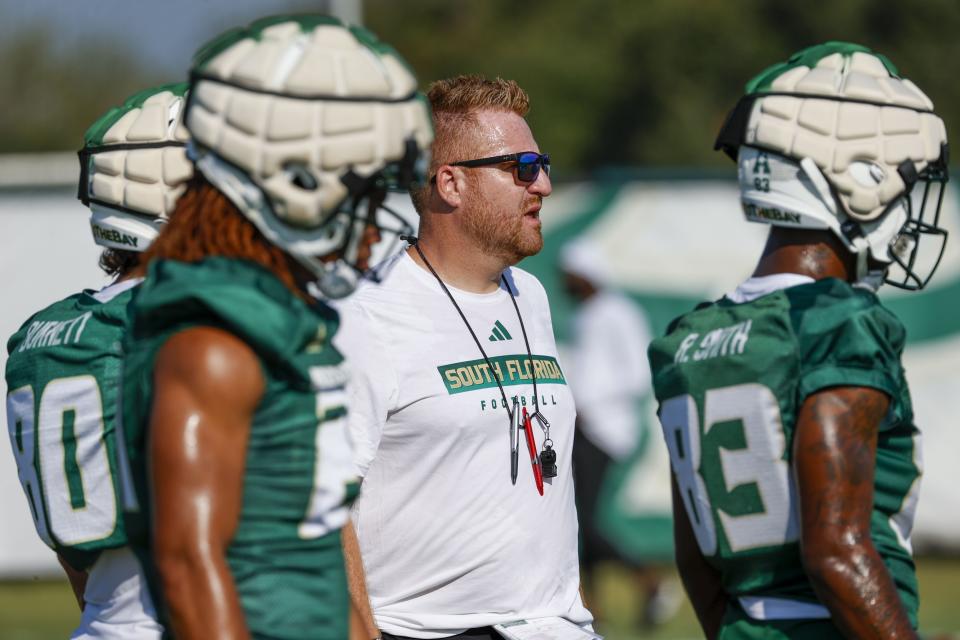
(729, 340)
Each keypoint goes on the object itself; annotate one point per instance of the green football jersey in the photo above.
(62, 377)
(731, 378)
(299, 478)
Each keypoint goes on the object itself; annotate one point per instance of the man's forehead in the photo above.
(503, 132)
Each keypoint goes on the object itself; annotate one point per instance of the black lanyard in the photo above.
(544, 424)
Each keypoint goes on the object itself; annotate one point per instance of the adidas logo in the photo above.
(499, 333)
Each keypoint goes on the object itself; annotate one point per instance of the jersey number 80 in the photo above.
(62, 460)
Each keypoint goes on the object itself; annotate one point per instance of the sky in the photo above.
(164, 33)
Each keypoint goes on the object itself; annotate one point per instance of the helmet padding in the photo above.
(134, 166)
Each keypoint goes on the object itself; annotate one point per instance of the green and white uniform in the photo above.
(62, 378)
(730, 378)
(285, 556)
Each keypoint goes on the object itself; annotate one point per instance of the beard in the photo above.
(502, 234)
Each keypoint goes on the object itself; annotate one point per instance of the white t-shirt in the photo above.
(448, 542)
(610, 371)
(758, 286)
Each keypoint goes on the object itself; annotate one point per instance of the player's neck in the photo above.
(458, 263)
(817, 254)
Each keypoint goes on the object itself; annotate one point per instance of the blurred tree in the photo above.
(623, 82)
(51, 97)
(613, 82)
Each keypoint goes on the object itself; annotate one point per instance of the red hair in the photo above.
(205, 223)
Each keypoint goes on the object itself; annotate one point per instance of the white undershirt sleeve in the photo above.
(373, 387)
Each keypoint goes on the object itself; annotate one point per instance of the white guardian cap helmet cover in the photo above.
(304, 123)
(834, 138)
(134, 166)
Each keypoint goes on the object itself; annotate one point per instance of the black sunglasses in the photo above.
(527, 164)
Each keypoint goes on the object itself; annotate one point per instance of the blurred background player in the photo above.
(64, 367)
(234, 400)
(784, 404)
(617, 460)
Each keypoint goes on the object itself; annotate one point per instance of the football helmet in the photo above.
(834, 138)
(304, 123)
(134, 166)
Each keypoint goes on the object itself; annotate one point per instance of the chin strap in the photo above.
(338, 280)
(871, 281)
(862, 248)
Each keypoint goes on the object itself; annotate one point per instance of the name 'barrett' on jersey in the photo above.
(285, 555)
(62, 377)
(731, 378)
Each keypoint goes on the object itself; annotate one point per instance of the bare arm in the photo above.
(207, 386)
(834, 454)
(700, 580)
(362, 624)
(78, 580)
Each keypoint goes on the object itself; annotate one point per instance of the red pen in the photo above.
(532, 446)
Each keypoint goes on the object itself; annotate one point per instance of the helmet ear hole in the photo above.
(301, 176)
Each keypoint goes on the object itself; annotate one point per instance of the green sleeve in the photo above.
(240, 297)
(847, 338)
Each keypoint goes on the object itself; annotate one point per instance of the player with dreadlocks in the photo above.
(234, 401)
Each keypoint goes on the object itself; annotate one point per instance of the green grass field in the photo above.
(939, 612)
(46, 610)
